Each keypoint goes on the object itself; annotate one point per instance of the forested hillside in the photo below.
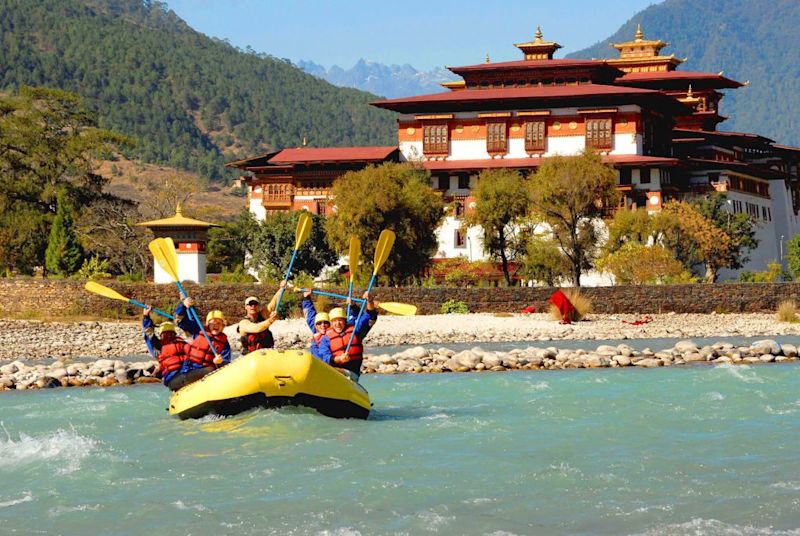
(753, 40)
(188, 100)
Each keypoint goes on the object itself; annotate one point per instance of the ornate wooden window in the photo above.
(443, 182)
(599, 134)
(435, 139)
(535, 134)
(496, 139)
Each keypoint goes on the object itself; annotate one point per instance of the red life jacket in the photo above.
(171, 356)
(200, 353)
(339, 343)
(256, 341)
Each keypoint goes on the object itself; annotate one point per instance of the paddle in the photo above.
(97, 288)
(382, 249)
(163, 250)
(355, 253)
(300, 235)
(403, 309)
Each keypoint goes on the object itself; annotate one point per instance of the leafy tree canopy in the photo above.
(568, 193)
(390, 196)
(273, 242)
(48, 144)
(502, 201)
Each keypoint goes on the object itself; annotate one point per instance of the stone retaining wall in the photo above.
(54, 298)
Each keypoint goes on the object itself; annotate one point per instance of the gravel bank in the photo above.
(35, 340)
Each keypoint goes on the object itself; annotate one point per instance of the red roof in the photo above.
(495, 163)
(481, 96)
(303, 155)
(786, 147)
(528, 64)
(723, 133)
(658, 76)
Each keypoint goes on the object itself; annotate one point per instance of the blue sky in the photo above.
(422, 33)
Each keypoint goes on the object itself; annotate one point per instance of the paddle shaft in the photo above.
(145, 306)
(360, 313)
(349, 295)
(193, 315)
(286, 279)
(332, 295)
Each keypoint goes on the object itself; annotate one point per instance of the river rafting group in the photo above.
(206, 380)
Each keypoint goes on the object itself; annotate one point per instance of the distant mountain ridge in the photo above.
(390, 81)
(189, 101)
(755, 41)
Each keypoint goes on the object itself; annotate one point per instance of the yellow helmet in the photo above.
(215, 314)
(337, 312)
(322, 317)
(166, 326)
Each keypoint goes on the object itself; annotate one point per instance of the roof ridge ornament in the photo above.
(487, 58)
(178, 210)
(538, 35)
(639, 34)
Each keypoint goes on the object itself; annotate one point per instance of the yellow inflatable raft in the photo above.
(271, 378)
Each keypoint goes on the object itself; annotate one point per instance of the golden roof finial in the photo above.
(487, 58)
(689, 92)
(178, 210)
(639, 33)
(305, 141)
(538, 35)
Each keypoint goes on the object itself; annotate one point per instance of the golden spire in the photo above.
(178, 210)
(538, 35)
(305, 141)
(487, 58)
(639, 33)
(689, 92)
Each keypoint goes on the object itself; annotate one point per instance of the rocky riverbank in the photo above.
(29, 340)
(107, 372)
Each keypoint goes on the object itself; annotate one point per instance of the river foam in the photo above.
(66, 447)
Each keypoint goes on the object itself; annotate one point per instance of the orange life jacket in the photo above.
(200, 353)
(171, 356)
(339, 343)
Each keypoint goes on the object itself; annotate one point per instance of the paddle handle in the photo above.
(145, 306)
(360, 313)
(193, 315)
(286, 279)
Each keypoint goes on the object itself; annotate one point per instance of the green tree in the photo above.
(793, 256)
(569, 194)
(48, 144)
(64, 255)
(638, 264)
(229, 243)
(502, 201)
(273, 241)
(544, 262)
(391, 196)
(697, 240)
(740, 227)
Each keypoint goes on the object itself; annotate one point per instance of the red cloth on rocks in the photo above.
(565, 307)
(529, 309)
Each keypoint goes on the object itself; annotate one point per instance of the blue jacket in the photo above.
(321, 350)
(365, 323)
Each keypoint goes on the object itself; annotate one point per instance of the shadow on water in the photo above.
(416, 413)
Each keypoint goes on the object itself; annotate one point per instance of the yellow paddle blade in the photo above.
(404, 309)
(303, 230)
(383, 248)
(164, 253)
(355, 253)
(97, 288)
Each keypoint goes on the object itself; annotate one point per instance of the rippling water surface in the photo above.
(696, 450)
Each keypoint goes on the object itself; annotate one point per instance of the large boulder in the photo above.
(766, 346)
(686, 346)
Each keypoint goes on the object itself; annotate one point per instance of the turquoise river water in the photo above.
(679, 450)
